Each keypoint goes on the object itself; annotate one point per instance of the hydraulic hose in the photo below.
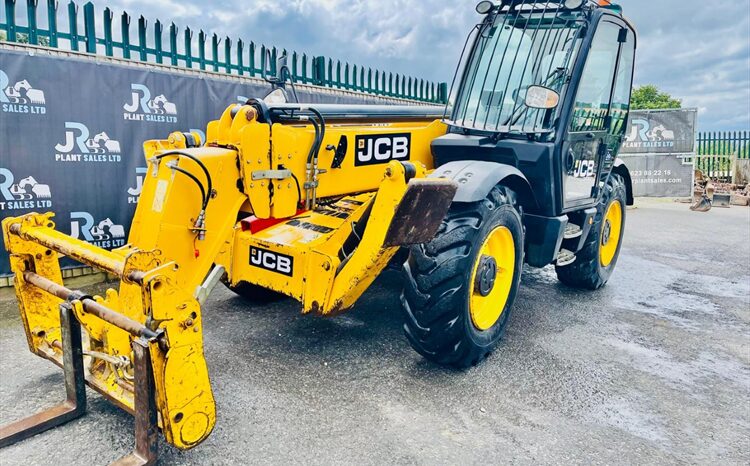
(195, 159)
(316, 141)
(204, 197)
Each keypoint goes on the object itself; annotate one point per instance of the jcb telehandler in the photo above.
(314, 201)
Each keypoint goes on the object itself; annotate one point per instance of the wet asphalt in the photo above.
(653, 368)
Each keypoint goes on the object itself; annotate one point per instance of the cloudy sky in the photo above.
(697, 50)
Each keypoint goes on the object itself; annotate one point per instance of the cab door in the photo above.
(599, 113)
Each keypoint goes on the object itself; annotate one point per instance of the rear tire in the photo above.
(254, 293)
(448, 318)
(595, 262)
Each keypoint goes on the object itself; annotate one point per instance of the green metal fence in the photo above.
(716, 150)
(203, 52)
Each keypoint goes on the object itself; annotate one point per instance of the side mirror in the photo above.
(541, 97)
(277, 96)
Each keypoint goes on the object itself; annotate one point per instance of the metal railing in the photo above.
(715, 152)
(187, 51)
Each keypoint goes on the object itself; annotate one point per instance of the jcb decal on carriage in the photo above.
(382, 148)
(270, 260)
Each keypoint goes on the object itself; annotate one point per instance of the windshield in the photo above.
(518, 48)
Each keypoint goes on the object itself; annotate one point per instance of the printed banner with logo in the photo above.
(661, 132)
(655, 149)
(72, 129)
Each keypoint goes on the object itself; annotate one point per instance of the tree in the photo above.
(650, 97)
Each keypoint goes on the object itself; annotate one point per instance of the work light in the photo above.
(485, 7)
(574, 4)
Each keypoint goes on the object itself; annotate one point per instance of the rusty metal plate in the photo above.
(420, 212)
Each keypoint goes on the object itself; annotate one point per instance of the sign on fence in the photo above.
(655, 150)
(661, 132)
(72, 133)
(660, 175)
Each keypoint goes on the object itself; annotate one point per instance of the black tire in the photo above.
(587, 272)
(437, 286)
(255, 293)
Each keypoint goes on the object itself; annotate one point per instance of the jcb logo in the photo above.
(585, 169)
(382, 148)
(273, 261)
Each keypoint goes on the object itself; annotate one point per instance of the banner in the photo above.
(72, 129)
(655, 148)
(660, 132)
(660, 175)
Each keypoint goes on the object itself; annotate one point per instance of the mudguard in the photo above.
(621, 169)
(476, 178)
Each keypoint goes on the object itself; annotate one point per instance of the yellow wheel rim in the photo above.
(492, 278)
(610, 235)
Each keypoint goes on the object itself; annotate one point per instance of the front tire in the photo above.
(460, 286)
(596, 261)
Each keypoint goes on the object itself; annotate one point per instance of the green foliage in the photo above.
(24, 39)
(649, 97)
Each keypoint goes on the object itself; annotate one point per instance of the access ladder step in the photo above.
(565, 257)
(572, 231)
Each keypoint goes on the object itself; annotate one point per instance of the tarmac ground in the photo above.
(652, 368)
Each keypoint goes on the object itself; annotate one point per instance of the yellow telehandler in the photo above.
(314, 201)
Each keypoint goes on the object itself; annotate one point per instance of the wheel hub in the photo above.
(491, 278)
(486, 273)
(606, 232)
(610, 234)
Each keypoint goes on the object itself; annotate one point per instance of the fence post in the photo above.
(125, 32)
(263, 64)
(89, 27)
(31, 17)
(158, 48)
(73, 25)
(240, 51)
(52, 22)
(107, 17)
(227, 55)
(443, 93)
(318, 70)
(215, 52)
(173, 44)
(10, 18)
(188, 48)
(251, 57)
(202, 49)
(142, 43)
(295, 71)
(305, 78)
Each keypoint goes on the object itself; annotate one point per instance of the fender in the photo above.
(621, 169)
(476, 179)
